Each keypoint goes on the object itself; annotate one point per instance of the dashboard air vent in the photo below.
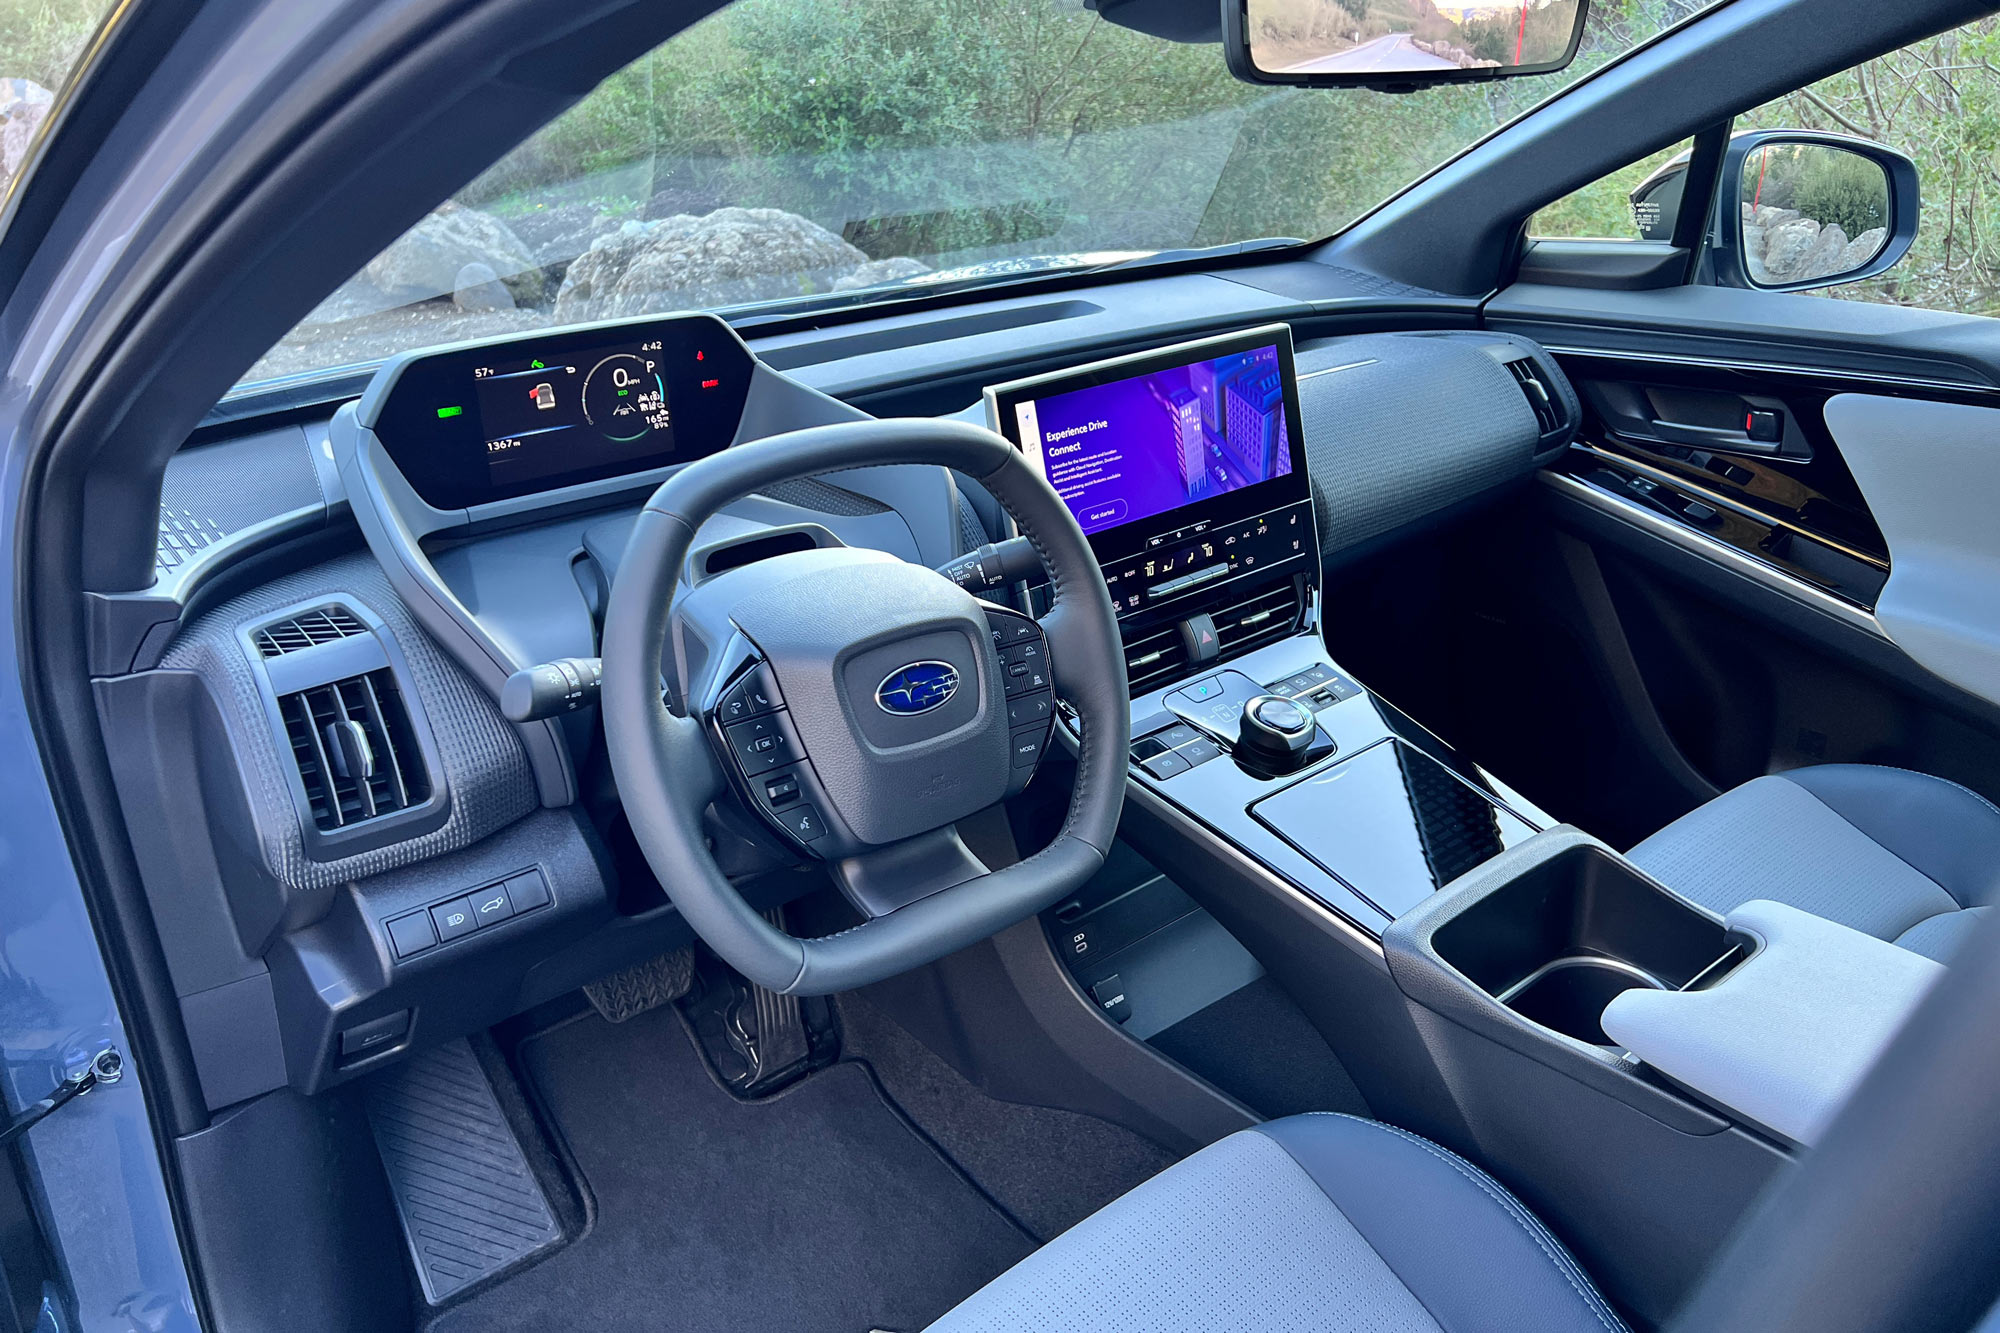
(1258, 618)
(1535, 388)
(323, 625)
(1158, 657)
(356, 750)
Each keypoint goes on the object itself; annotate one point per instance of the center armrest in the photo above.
(1785, 1037)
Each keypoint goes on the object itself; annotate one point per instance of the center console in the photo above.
(1187, 470)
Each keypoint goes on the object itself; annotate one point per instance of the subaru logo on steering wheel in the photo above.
(917, 688)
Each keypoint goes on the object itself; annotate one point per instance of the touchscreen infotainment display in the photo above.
(1136, 448)
(1184, 467)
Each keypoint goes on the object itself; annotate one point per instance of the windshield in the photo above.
(815, 151)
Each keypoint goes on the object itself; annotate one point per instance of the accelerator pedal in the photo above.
(469, 1204)
(756, 1040)
(655, 982)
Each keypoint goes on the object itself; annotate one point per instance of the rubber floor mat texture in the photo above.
(819, 1208)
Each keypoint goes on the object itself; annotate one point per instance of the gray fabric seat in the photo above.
(1899, 855)
(1316, 1222)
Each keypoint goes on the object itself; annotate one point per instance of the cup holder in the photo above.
(1569, 995)
(1562, 939)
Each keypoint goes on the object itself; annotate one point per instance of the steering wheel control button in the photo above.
(454, 919)
(1030, 709)
(411, 934)
(781, 791)
(764, 743)
(804, 823)
(1028, 746)
(756, 692)
(1024, 668)
(491, 904)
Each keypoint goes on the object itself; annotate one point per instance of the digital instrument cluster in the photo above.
(469, 426)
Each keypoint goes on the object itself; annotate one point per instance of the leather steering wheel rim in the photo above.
(667, 773)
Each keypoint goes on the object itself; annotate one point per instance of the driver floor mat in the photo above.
(815, 1209)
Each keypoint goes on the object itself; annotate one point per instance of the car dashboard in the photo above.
(364, 580)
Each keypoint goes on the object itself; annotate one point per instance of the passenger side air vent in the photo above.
(1158, 657)
(1541, 398)
(309, 630)
(1258, 618)
(356, 749)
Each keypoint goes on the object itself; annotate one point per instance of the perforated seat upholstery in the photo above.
(1315, 1222)
(1899, 855)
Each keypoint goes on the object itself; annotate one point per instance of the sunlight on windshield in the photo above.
(789, 150)
(40, 42)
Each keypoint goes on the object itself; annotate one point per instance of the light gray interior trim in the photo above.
(1719, 553)
(1785, 1038)
(1930, 473)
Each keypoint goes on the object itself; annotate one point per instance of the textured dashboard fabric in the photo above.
(1399, 426)
(1322, 1222)
(211, 491)
(1893, 854)
(485, 768)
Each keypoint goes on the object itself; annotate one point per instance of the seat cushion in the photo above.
(1898, 855)
(1316, 1222)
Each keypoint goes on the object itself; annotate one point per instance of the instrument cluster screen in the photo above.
(1185, 467)
(500, 420)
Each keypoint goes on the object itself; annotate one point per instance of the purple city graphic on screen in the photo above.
(1131, 450)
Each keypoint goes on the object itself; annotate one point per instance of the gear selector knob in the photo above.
(1276, 732)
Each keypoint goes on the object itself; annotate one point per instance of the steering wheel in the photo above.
(860, 705)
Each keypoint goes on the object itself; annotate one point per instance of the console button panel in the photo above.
(463, 914)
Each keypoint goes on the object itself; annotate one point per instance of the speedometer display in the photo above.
(624, 398)
(474, 425)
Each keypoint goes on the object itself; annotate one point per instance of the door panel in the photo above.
(1931, 472)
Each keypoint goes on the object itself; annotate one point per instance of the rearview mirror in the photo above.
(1800, 209)
(1398, 45)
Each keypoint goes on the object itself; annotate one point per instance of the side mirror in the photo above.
(1397, 48)
(1797, 209)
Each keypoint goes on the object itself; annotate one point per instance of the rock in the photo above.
(728, 257)
(880, 271)
(1863, 248)
(1786, 244)
(1769, 217)
(1753, 242)
(424, 261)
(480, 288)
(24, 105)
(1824, 257)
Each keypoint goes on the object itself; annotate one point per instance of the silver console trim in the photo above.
(1718, 553)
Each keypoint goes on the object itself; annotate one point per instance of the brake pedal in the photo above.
(655, 982)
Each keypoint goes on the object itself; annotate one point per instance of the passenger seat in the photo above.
(1898, 855)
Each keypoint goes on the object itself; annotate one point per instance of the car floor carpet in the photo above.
(818, 1208)
(1050, 1168)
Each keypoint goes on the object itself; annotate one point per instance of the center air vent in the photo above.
(309, 630)
(1535, 388)
(1258, 618)
(1159, 656)
(356, 750)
